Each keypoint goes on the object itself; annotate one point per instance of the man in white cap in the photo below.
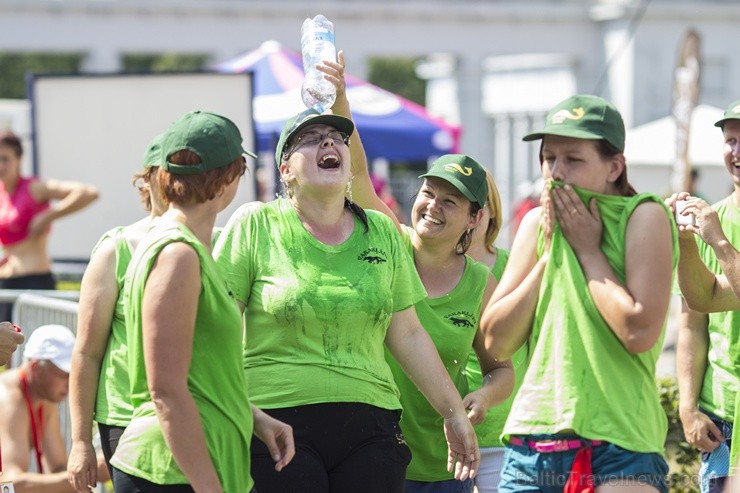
(29, 422)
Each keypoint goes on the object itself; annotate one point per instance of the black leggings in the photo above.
(33, 281)
(109, 436)
(340, 447)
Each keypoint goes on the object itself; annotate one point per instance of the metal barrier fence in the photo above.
(32, 310)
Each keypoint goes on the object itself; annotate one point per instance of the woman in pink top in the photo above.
(25, 219)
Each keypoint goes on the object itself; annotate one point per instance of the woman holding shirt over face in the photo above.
(588, 285)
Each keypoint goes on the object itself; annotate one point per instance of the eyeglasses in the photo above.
(314, 138)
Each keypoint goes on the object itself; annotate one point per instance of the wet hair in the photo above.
(467, 237)
(11, 140)
(141, 179)
(607, 151)
(200, 187)
(495, 221)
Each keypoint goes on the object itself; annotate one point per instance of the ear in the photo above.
(285, 172)
(616, 167)
(475, 220)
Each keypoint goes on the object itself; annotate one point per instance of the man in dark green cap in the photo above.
(708, 351)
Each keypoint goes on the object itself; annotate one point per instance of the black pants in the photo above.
(340, 447)
(126, 483)
(109, 436)
(34, 281)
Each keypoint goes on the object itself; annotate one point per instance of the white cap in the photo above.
(53, 343)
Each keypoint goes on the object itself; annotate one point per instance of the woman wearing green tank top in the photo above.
(98, 382)
(588, 285)
(192, 422)
(447, 209)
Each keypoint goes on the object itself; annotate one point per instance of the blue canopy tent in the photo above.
(391, 127)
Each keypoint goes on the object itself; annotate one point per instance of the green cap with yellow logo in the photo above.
(731, 113)
(584, 117)
(464, 173)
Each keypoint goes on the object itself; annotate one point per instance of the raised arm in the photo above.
(70, 196)
(703, 290)
(363, 192)
(169, 312)
(415, 352)
(98, 297)
(635, 309)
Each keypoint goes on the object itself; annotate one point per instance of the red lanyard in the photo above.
(37, 427)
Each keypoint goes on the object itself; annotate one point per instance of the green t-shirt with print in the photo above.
(489, 431)
(720, 378)
(215, 379)
(451, 321)
(316, 314)
(112, 403)
(580, 376)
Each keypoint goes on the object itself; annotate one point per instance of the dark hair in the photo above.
(467, 237)
(9, 139)
(200, 187)
(357, 211)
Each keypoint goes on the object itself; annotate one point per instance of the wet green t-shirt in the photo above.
(316, 314)
(451, 321)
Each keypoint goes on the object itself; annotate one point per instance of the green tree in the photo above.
(14, 66)
(163, 62)
(398, 76)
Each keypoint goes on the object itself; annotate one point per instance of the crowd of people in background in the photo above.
(317, 344)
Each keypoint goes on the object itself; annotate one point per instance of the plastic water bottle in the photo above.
(317, 45)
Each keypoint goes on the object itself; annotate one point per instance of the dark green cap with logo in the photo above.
(214, 138)
(464, 173)
(731, 113)
(584, 117)
(306, 118)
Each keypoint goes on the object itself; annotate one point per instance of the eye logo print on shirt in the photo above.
(562, 115)
(461, 319)
(373, 256)
(452, 168)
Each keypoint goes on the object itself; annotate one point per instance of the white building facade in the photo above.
(503, 63)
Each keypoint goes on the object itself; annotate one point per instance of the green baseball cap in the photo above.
(464, 173)
(731, 113)
(584, 117)
(214, 138)
(153, 154)
(306, 118)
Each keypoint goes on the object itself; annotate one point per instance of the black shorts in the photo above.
(33, 281)
(340, 447)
